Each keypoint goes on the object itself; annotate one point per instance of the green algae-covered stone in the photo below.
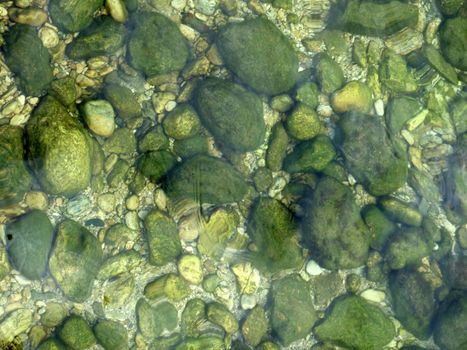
(73, 15)
(308, 94)
(303, 122)
(206, 179)
(255, 326)
(370, 155)
(207, 342)
(458, 113)
(59, 148)
(293, 313)
(103, 37)
(123, 100)
(187, 148)
(329, 74)
(219, 314)
(309, 156)
(456, 186)
(260, 55)
(394, 74)
(182, 122)
(277, 148)
(154, 140)
(15, 179)
(170, 286)
(76, 333)
(29, 242)
(122, 141)
(354, 323)
(64, 90)
(400, 211)
(193, 316)
(449, 328)
(157, 319)
(75, 260)
(51, 344)
(376, 18)
(399, 110)
(379, 226)
(273, 230)
(334, 229)
(162, 236)
(28, 59)
(155, 165)
(454, 41)
(412, 301)
(156, 45)
(407, 248)
(111, 335)
(437, 61)
(232, 114)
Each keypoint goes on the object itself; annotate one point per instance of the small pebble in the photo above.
(117, 10)
(100, 117)
(36, 200)
(313, 269)
(247, 301)
(33, 16)
(49, 37)
(189, 266)
(373, 295)
(132, 220)
(132, 202)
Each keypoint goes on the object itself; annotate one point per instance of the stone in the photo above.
(122, 141)
(99, 117)
(458, 113)
(156, 46)
(354, 323)
(255, 326)
(413, 302)
(118, 290)
(193, 315)
(329, 73)
(407, 248)
(259, 54)
(206, 179)
(15, 179)
(182, 123)
(53, 315)
(379, 226)
(161, 234)
(111, 335)
(400, 109)
(455, 190)
(370, 155)
(29, 239)
(375, 18)
(274, 232)
(75, 260)
(232, 114)
(31, 16)
(281, 103)
(118, 264)
(51, 344)
(64, 90)
(155, 320)
(310, 156)
(248, 278)
(73, 15)
(450, 324)
(400, 211)
(118, 235)
(117, 10)
(354, 96)
(156, 165)
(208, 342)
(165, 343)
(123, 100)
(303, 123)
(293, 313)
(308, 94)
(437, 61)
(219, 314)
(277, 148)
(187, 148)
(190, 268)
(454, 42)
(76, 333)
(15, 323)
(59, 148)
(394, 74)
(333, 227)
(4, 263)
(28, 59)
(263, 179)
(154, 140)
(103, 37)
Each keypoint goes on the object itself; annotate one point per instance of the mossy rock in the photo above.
(123, 100)
(103, 37)
(15, 179)
(333, 227)
(73, 15)
(182, 123)
(329, 74)
(75, 260)
(303, 122)
(370, 155)
(207, 342)
(28, 59)
(354, 323)
(205, 179)
(189, 147)
(455, 190)
(51, 344)
(259, 54)
(274, 232)
(29, 240)
(454, 41)
(76, 333)
(379, 226)
(60, 149)
(232, 114)
(111, 335)
(155, 165)
(155, 45)
(450, 325)
(157, 319)
(64, 90)
(277, 148)
(399, 110)
(394, 73)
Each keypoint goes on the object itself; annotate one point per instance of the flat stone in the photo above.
(100, 117)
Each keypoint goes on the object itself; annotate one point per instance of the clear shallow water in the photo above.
(221, 174)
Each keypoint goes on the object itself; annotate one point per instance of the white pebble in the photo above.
(247, 301)
(379, 107)
(313, 269)
(373, 295)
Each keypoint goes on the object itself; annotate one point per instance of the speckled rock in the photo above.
(156, 165)
(73, 15)
(354, 96)
(303, 123)
(182, 122)
(76, 333)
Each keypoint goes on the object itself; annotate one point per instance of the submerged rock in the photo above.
(155, 165)
(232, 114)
(182, 123)
(273, 230)
(60, 150)
(28, 59)
(354, 96)
(454, 41)
(303, 122)
(394, 74)
(333, 227)
(103, 37)
(111, 335)
(15, 179)
(375, 18)
(73, 15)
(293, 313)
(76, 333)
(277, 148)
(75, 260)
(355, 324)
(156, 45)
(154, 320)
(205, 179)
(123, 100)
(399, 110)
(255, 326)
(407, 247)
(450, 325)
(370, 155)
(259, 54)
(29, 240)
(329, 73)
